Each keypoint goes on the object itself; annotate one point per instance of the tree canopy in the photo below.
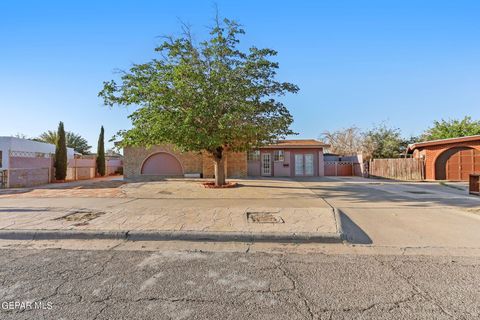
(346, 141)
(452, 128)
(73, 140)
(384, 142)
(210, 96)
(380, 141)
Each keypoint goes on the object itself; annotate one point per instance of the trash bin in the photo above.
(474, 187)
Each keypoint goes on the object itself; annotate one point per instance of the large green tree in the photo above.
(209, 97)
(61, 154)
(75, 141)
(101, 153)
(384, 142)
(452, 128)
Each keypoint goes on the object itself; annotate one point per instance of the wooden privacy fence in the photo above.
(400, 169)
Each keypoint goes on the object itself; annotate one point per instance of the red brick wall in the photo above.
(432, 152)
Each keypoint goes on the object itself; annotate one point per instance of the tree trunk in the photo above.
(219, 167)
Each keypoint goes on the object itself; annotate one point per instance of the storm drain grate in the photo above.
(264, 217)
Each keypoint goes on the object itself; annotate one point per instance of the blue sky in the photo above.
(356, 62)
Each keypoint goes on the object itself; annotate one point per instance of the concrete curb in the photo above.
(171, 235)
(338, 220)
(61, 234)
(234, 236)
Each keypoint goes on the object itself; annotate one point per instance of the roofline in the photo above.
(414, 146)
(280, 145)
(295, 146)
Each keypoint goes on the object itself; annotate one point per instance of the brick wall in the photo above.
(192, 162)
(207, 166)
(135, 156)
(237, 166)
(431, 154)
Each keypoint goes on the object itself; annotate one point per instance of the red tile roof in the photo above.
(299, 143)
(414, 146)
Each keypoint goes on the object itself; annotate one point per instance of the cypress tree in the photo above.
(61, 154)
(101, 154)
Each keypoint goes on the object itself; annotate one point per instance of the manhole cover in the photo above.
(263, 217)
(419, 192)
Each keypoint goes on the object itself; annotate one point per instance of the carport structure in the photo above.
(449, 159)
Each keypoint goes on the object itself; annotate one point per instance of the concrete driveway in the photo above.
(402, 214)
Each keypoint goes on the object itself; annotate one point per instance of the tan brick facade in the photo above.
(134, 158)
(235, 165)
(192, 162)
(431, 153)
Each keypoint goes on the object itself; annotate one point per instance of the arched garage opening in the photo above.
(457, 163)
(162, 164)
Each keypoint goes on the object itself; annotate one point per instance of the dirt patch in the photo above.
(81, 216)
(474, 210)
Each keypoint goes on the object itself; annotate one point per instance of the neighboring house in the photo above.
(26, 162)
(284, 159)
(449, 159)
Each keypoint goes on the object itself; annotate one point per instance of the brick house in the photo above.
(283, 159)
(449, 159)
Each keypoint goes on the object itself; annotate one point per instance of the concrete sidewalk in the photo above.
(260, 210)
(149, 222)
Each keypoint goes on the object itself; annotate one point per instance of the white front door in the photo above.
(266, 164)
(299, 165)
(309, 164)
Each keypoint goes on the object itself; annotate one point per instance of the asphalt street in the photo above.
(109, 284)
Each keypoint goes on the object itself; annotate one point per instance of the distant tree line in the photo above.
(383, 141)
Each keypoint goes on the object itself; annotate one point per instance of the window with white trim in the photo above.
(278, 155)
(253, 155)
